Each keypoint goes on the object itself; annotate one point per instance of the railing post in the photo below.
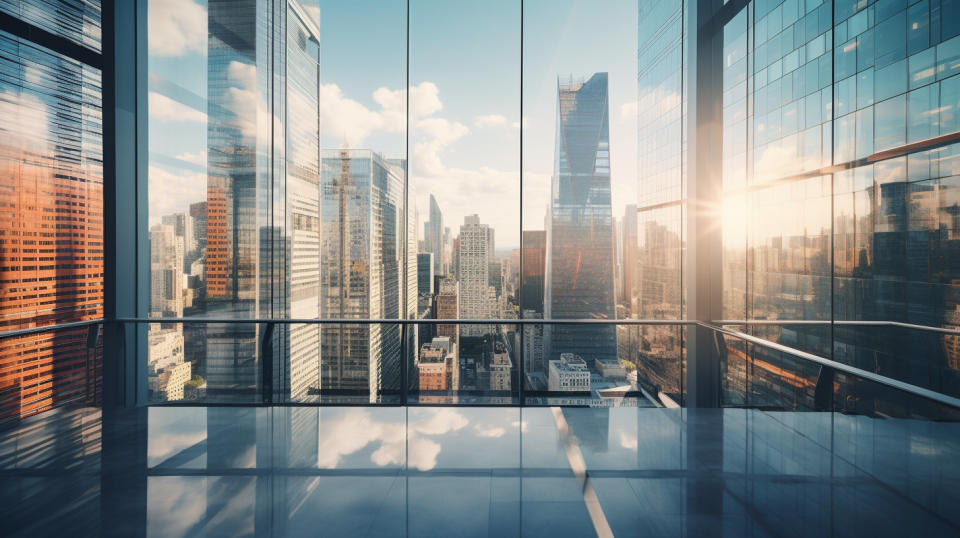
(93, 338)
(823, 392)
(266, 362)
(404, 372)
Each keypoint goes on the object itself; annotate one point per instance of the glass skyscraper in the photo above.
(364, 256)
(433, 237)
(579, 282)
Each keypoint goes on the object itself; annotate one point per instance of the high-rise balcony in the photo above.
(461, 268)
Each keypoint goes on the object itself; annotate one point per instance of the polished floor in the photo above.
(455, 471)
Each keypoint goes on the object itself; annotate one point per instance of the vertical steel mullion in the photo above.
(406, 224)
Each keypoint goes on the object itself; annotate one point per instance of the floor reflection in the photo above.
(458, 471)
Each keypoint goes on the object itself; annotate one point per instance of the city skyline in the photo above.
(463, 146)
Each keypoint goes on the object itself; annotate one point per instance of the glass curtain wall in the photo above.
(529, 160)
(838, 157)
(277, 190)
(51, 194)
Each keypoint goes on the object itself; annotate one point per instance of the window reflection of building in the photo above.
(853, 80)
(363, 268)
(660, 156)
(51, 261)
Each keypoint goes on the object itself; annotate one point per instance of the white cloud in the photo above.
(242, 98)
(490, 120)
(516, 124)
(423, 453)
(523, 425)
(24, 120)
(176, 27)
(353, 121)
(629, 110)
(627, 441)
(163, 108)
(171, 193)
(424, 101)
(355, 429)
(442, 420)
(436, 134)
(344, 117)
(485, 431)
(199, 159)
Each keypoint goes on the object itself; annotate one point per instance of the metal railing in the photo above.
(269, 323)
(838, 323)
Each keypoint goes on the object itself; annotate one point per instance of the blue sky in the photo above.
(465, 76)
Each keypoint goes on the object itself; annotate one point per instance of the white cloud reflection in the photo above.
(163, 108)
(176, 27)
(355, 429)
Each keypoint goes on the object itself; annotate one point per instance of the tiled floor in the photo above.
(455, 471)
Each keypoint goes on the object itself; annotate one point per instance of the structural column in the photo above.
(124, 199)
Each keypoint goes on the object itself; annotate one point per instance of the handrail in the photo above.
(844, 322)
(714, 326)
(385, 321)
(47, 328)
(841, 367)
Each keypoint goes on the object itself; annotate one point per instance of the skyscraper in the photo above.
(473, 270)
(300, 370)
(425, 273)
(166, 271)
(433, 236)
(447, 306)
(363, 253)
(579, 263)
(234, 59)
(534, 249)
(630, 253)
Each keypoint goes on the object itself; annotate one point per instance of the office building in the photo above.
(363, 272)
(300, 371)
(447, 306)
(579, 268)
(569, 374)
(473, 272)
(533, 355)
(532, 280)
(438, 366)
(425, 273)
(166, 271)
(434, 239)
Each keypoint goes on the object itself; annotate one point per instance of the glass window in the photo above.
(890, 123)
(75, 20)
(949, 18)
(922, 107)
(918, 27)
(865, 50)
(465, 175)
(950, 105)
(51, 221)
(891, 39)
(865, 133)
(888, 8)
(845, 138)
(846, 95)
(890, 80)
(845, 59)
(922, 68)
(865, 88)
(948, 58)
